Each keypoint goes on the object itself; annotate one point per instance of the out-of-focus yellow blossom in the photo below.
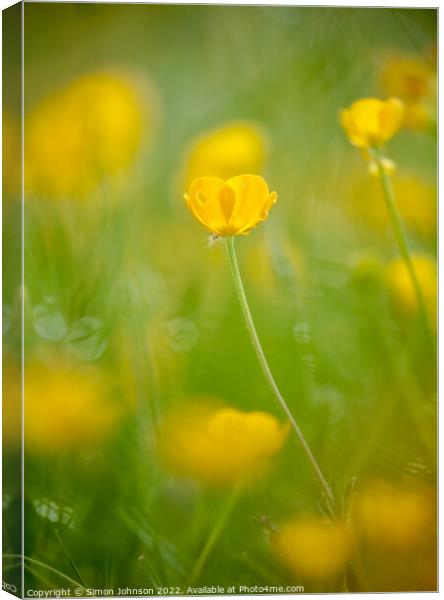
(67, 407)
(312, 547)
(401, 287)
(11, 156)
(236, 147)
(420, 116)
(395, 517)
(89, 131)
(416, 200)
(371, 122)
(232, 207)
(413, 80)
(219, 446)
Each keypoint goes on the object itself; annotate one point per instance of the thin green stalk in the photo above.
(69, 557)
(47, 582)
(38, 563)
(401, 238)
(214, 533)
(267, 371)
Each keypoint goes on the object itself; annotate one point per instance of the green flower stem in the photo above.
(218, 526)
(267, 371)
(401, 238)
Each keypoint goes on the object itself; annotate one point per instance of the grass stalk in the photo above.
(218, 526)
(38, 563)
(69, 557)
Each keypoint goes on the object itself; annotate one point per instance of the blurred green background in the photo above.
(129, 314)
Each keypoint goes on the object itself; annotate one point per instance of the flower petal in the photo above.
(208, 199)
(252, 202)
(390, 118)
(349, 125)
(227, 201)
(366, 117)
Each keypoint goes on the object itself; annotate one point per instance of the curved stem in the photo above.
(214, 534)
(38, 563)
(401, 238)
(267, 371)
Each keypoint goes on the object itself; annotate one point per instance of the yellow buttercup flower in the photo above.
(371, 122)
(416, 202)
(401, 287)
(89, 131)
(412, 79)
(235, 147)
(232, 207)
(408, 77)
(67, 407)
(312, 547)
(395, 517)
(219, 446)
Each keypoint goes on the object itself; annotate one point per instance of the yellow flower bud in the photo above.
(371, 122)
(312, 547)
(219, 446)
(387, 164)
(232, 207)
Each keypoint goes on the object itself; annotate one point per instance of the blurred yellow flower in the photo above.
(232, 207)
(396, 517)
(416, 200)
(371, 122)
(236, 147)
(312, 547)
(401, 288)
(419, 115)
(412, 79)
(88, 131)
(67, 407)
(219, 446)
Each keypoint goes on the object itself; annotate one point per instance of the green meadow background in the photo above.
(121, 283)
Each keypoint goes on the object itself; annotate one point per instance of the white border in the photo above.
(345, 3)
